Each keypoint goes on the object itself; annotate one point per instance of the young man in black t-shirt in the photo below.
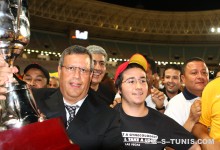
(142, 127)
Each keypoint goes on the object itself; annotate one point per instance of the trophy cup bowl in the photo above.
(19, 108)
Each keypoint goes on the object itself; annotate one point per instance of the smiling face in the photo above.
(195, 77)
(171, 81)
(99, 69)
(133, 88)
(74, 84)
(35, 78)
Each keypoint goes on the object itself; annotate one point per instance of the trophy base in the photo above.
(49, 134)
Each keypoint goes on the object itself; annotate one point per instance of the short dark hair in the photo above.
(174, 67)
(76, 49)
(191, 60)
(152, 63)
(119, 79)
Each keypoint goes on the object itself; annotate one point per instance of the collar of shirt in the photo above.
(79, 103)
(164, 91)
(188, 95)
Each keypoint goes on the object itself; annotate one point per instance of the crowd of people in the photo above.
(132, 111)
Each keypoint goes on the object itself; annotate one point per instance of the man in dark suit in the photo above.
(91, 124)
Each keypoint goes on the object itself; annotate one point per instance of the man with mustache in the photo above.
(36, 76)
(185, 108)
(80, 110)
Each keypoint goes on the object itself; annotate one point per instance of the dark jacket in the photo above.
(95, 126)
(105, 94)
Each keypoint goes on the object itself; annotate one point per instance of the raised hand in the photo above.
(6, 74)
(157, 97)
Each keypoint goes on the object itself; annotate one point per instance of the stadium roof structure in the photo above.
(133, 23)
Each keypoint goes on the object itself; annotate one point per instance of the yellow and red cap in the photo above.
(136, 58)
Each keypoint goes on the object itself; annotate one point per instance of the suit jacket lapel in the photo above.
(85, 113)
(56, 106)
(88, 109)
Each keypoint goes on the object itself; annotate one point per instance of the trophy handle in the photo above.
(18, 17)
(31, 99)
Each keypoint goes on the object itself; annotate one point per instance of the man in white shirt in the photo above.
(185, 108)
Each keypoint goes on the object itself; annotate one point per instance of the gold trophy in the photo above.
(19, 108)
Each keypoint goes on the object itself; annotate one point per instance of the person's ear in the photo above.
(91, 74)
(119, 91)
(162, 81)
(183, 79)
(59, 71)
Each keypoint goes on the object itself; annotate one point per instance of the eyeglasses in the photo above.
(133, 81)
(73, 69)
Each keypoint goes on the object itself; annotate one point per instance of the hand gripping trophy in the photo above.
(19, 108)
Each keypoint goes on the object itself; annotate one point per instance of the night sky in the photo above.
(169, 5)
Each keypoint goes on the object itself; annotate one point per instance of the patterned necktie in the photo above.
(72, 113)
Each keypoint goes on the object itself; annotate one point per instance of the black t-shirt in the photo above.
(155, 131)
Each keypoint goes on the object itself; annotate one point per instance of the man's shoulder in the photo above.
(105, 93)
(43, 92)
(156, 114)
(158, 117)
(213, 85)
(175, 104)
(97, 103)
(177, 98)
